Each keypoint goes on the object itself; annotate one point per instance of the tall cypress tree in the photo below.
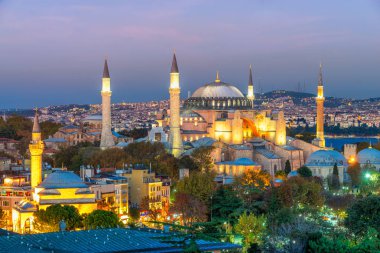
(288, 168)
(335, 178)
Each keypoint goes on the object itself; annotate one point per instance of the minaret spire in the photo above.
(250, 82)
(106, 73)
(36, 124)
(320, 80)
(174, 68)
(251, 94)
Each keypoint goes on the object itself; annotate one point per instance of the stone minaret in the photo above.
(106, 140)
(36, 148)
(320, 99)
(175, 91)
(251, 94)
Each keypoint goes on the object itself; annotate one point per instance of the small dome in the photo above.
(245, 161)
(326, 158)
(369, 156)
(203, 142)
(293, 173)
(217, 90)
(190, 114)
(62, 179)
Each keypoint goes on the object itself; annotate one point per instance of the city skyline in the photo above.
(64, 63)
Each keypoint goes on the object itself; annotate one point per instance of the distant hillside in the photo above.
(284, 93)
(372, 100)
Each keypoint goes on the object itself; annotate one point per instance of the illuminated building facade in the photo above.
(144, 184)
(59, 187)
(220, 111)
(13, 190)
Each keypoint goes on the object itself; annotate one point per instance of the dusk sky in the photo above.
(52, 52)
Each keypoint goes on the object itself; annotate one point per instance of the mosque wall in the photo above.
(240, 153)
(307, 148)
(237, 129)
(295, 157)
(326, 172)
(269, 165)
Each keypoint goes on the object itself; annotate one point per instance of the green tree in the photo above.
(153, 154)
(102, 219)
(280, 174)
(190, 208)
(109, 158)
(187, 162)
(49, 128)
(134, 213)
(202, 158)
(71, 156)
(335, 178)
(340, 202)
(370, 182)
(370, 242)
(135, 133)
(325, 244)
(18, 128)
(288, 168)
(341, 243)
(298, 190)
(48, 220)
(252, 228)
(255, 178)
(304, 171)
(226, 206)
(198, 184)
(252, 196)
(363, 214)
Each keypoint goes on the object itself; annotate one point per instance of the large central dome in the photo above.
(217, 89)
(218, 96)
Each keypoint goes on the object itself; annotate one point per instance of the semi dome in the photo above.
(326, 158)
(62, 179)
(218, 89)
(369, 156)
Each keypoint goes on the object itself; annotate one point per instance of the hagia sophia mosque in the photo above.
(216, 115)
